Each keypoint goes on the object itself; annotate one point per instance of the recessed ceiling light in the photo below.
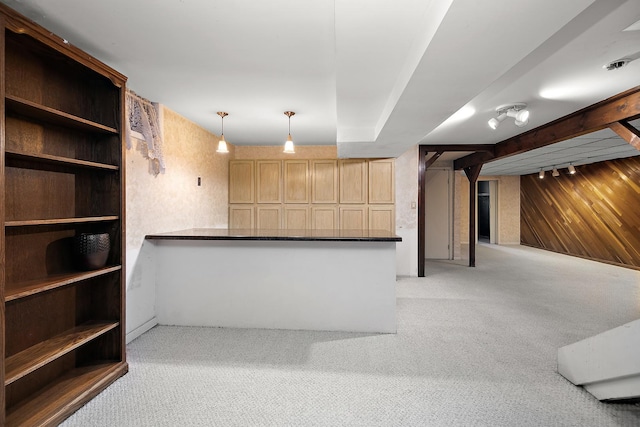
(617, 64)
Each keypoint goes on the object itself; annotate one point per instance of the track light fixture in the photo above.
(222, 144)
(541, 174)
(518, 112)
(288, 145)
(572, 169)
(555, 172)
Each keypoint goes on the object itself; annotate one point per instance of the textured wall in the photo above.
(171, 201)
(252, 152)
(406, 216)
(508, 208)
(592, 214)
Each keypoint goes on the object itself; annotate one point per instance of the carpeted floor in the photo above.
(475, 347)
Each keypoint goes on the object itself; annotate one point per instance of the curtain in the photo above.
(143, 117)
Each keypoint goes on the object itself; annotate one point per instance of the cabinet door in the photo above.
(381, 181)
(269, 181)
(382, 217)
(296, 181)
(353, 181)
(268, 217)
(296, 217)
(353, 217)
(241, 216)
(241, 181)
(324, 218)
(324, 181)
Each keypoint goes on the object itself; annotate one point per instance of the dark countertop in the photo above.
(266, 234)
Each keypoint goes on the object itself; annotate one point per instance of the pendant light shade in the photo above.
(222, 144)
(288, 145)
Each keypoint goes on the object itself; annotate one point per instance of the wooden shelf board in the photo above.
(32, 287)
(66, 395)
(54, 221)
(27, 361)
(51, 115)
(49, 159)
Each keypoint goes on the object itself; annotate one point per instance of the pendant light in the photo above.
(288, 145)
(222, 144)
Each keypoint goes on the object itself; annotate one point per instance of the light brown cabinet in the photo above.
(296, 217)
(353, 181)
(381, 181)
(324, 181)
(269, 181)
(324, 218)
(268, 217)
(241, 181)
(296, 181)
(356, 194)
(61, 175)
(353, 217)
(241, 216)
(382, 217)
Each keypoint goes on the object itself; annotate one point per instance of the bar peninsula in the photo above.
(333, 280)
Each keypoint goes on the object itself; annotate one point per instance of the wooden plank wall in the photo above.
(593, 214)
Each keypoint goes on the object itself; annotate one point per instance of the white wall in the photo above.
(168, 202)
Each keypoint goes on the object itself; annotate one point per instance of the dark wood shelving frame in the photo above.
(61, 171)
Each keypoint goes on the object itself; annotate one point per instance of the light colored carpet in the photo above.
(475, 347)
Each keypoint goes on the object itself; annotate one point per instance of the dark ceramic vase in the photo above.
(91, 250)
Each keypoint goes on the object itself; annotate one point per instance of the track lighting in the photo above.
(288, 145)
(541, 174)
(555, 172)
(222, 144)
(518, 112)
(572, 169)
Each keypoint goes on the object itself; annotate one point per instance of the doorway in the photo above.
(487, 211)
(438, 218)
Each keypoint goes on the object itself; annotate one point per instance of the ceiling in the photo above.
(375, 77)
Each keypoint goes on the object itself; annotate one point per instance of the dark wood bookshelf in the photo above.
(61, 173)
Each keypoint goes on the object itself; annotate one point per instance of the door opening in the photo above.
(438, 208)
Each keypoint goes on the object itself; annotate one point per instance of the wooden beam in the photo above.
(472, 173)
(627, 132)
(432, 159)
(624, 106)
(422, 213)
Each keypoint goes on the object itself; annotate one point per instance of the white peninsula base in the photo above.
(322, 284)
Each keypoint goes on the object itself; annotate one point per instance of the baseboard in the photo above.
(141, 330)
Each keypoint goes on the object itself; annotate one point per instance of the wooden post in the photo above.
(422, 161)
(472, 173)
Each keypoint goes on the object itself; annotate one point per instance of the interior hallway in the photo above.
(475, 346)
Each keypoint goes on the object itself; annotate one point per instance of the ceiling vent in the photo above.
(618, 63)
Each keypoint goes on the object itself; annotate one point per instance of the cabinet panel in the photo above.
(296, 217)
(382, 217)
(296, 181)
(241, 216)
(324, 218)
(381, 181)
(353, 181)
(353, 217)
(268, 181)
(241, 181)
(324, 181)
(268, 217)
